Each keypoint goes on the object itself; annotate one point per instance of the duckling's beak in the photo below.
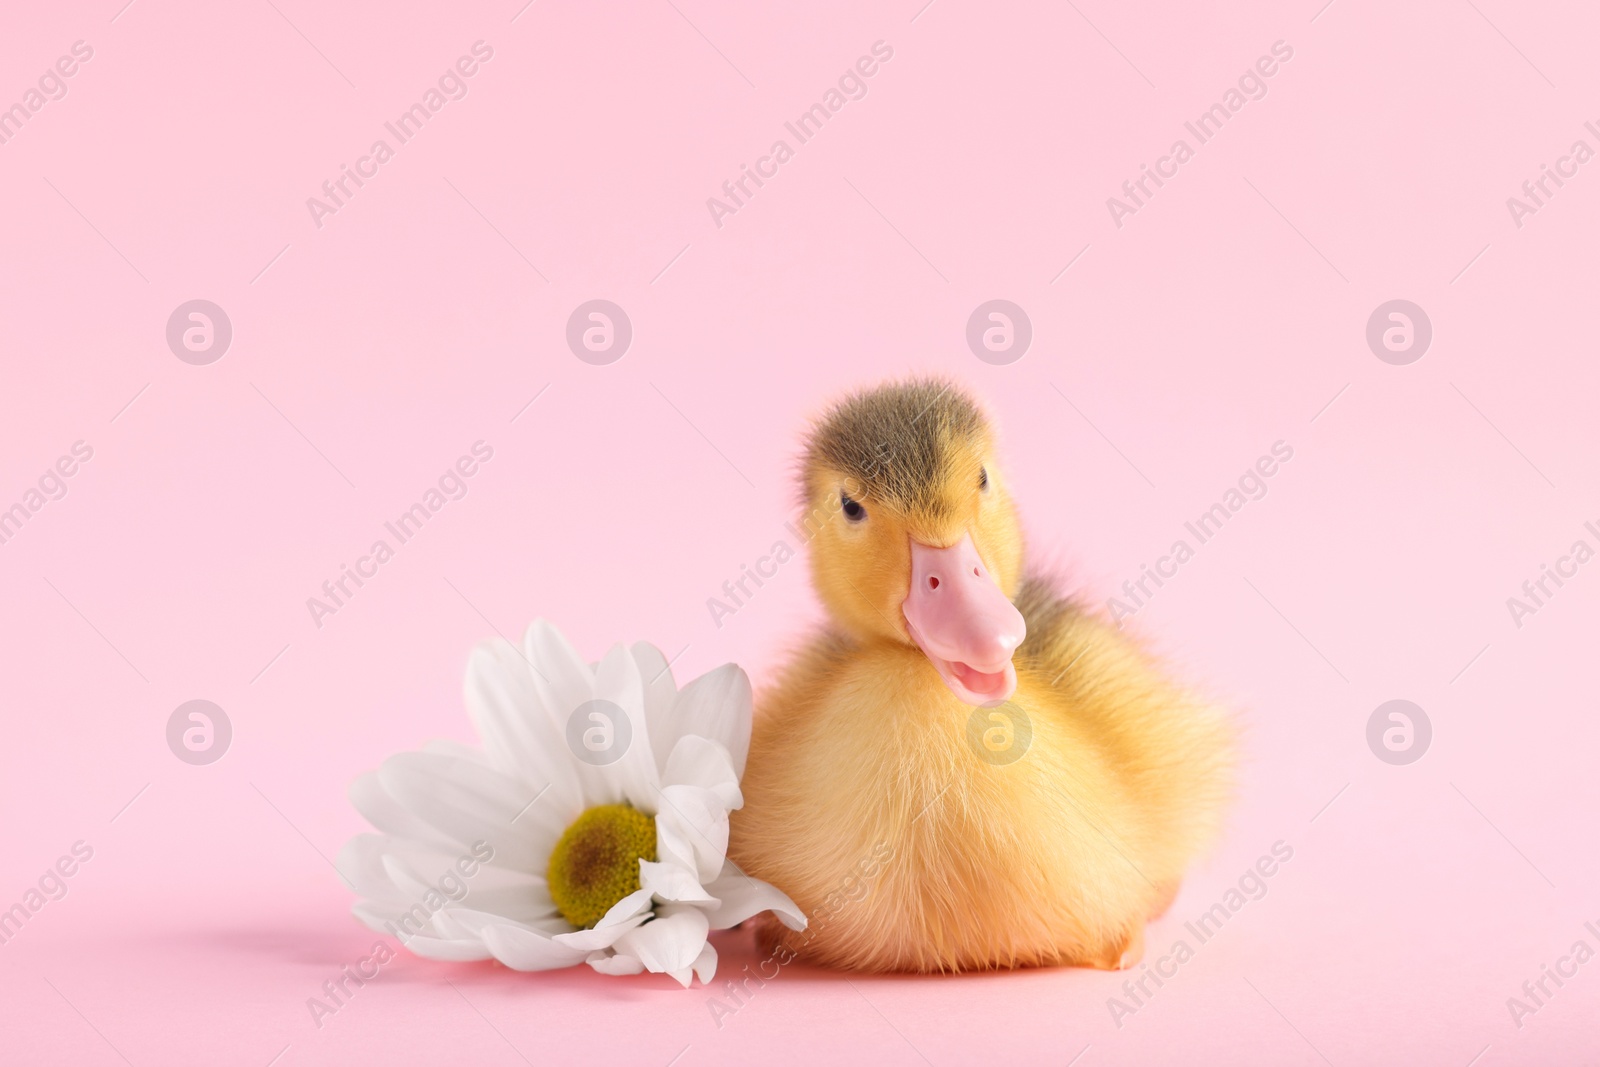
(963, 622)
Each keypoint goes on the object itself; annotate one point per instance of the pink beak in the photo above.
(963, 623)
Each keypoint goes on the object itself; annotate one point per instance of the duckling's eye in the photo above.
(852, 509)
(983, 477)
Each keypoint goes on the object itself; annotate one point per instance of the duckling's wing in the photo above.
(1056, 634)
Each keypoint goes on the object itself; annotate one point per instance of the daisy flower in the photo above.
(591, 827)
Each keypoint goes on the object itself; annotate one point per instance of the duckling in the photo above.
(964, 770)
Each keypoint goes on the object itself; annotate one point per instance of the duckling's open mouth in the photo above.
(962, 621)
(972, 685)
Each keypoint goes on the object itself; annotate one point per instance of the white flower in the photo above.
(472, 839)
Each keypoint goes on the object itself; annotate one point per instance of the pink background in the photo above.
(370, 353)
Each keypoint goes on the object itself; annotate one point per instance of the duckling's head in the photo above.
(914, 538)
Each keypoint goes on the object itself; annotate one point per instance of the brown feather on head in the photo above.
(900, 441)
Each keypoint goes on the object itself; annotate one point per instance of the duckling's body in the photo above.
(923, 832)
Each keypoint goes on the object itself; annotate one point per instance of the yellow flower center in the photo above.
(596, 862)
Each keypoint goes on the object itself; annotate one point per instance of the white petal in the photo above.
(623, 916)
(560, 676)
(558, 666)
(673, 844)
(471, 802)
(741, 896)
(458, 921)
(695, 816)
(519, 946)
(443, 746)
(360, 863)
(524, 737)
(514, 895)
(716, 706)
(528, 950)
(375, 916)
(660, 694)
(705, 964)
(671, 881)
(387, 814)
(671, 942)
(699, 761)
(606, 963)
(402, 876)
(635, 903)
(424, 943)
(403, 873)
(600, 937)
(455, 950)
(633, 776)
(525, 903)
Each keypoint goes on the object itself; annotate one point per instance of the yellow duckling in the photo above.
(965, 770)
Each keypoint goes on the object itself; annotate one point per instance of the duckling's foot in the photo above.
(1120, 957)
